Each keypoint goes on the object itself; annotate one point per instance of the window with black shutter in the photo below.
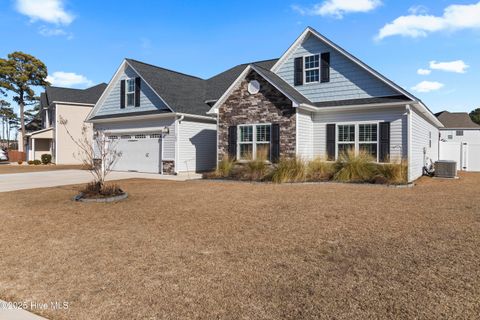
(138, 82)
(122, 94)
(384, 141)
(331, 128)
(232, 142)
(275, 143)
(325, 67)
(298, 72)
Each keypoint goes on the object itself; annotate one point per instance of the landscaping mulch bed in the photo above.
(211, 250)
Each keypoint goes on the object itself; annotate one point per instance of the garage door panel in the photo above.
(139, 153)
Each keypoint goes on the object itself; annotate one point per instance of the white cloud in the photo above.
(68, 79)
(338, 8)
(52, 32)
(457, 66)
(51, 11)
(428, 86)
(419, 24)
(424, 72)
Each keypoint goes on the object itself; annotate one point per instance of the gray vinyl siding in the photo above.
(421, 129)
(151, 126)
(396, 116)
(110, 105)
(304, 134)
(197, 143)
(347, 79)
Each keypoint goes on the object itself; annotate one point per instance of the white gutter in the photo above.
(183, 115)
(129, 118)
(73, 103)
(312, 108)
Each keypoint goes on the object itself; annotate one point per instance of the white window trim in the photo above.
(254, 139)
(305, 69)
(129, 92)
(357, 141)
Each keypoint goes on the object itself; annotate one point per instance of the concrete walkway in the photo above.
(45, 179)
(8, 313)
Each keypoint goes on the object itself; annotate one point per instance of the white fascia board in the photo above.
(194, 116)
(214, 109)
(420, 107)
(295, 103)
(133, 117)
(311, 108)
(74, 103)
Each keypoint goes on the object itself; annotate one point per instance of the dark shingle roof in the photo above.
(282, 85)
(459, 120)
(217, 85)
(353, 102)
(183, 93)
(87, 96)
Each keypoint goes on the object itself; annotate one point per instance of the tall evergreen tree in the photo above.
(19, 74)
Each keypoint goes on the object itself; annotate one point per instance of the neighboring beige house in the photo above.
(52, 138)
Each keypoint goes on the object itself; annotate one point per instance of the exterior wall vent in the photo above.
(446, 169)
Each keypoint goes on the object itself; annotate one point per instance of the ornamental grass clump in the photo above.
(320, 170)
(290, 170)
(355, 168)
(394, 173)
(225, 167)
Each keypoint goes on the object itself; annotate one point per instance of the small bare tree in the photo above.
(97, 153)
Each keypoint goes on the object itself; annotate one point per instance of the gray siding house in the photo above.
(318, 100)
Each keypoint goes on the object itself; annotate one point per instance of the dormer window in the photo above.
(312, 68)
(130, 92)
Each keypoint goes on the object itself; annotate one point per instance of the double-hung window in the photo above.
(312, 68)
(130, 92)
(368, 140)
(358, 138)
(346, 139)
(254, 142)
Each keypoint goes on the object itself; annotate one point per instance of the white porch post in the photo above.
(33, 148)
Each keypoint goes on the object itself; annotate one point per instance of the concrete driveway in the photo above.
(32, 180)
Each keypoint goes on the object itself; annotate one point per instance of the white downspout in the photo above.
(409, 141)
(177, 141)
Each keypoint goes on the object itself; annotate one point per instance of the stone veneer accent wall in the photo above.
(168, 167)
(267, 106)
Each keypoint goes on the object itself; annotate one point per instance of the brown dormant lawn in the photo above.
(222, 250)
(14, 168)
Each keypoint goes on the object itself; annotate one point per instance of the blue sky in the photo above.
(83, 42)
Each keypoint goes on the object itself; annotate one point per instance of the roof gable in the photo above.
(309, 37)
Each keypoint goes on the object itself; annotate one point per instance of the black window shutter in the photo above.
(325, 67)
(298, 72)
(122, 94)
(138, 82)
(384, 154)
(331, 132)
(275, 143)
(232, 142)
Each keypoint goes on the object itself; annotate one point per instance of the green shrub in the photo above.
(37, 162)
(394, 173)
(289, 170)
(30, 162)
(319, 170)
(225, 167)
(46, 158)
(355, 168)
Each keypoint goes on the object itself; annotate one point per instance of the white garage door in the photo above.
(140, 152)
